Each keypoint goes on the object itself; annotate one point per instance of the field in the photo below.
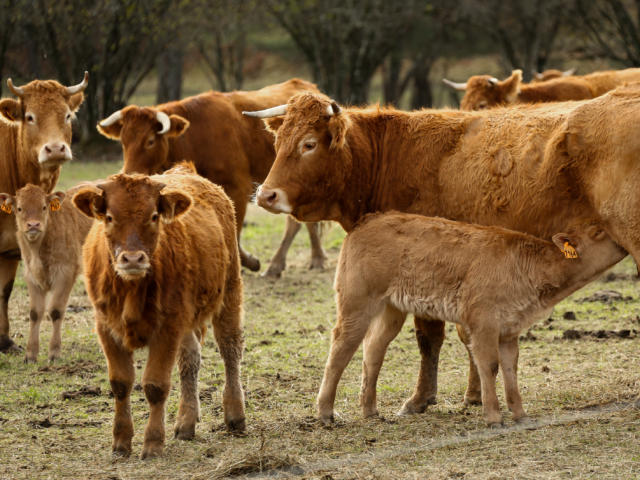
(579, 376)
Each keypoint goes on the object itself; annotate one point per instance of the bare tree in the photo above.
(8, 21)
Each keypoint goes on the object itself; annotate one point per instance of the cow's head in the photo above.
(31, 206)
(132, 209)
(483, 91)
(144, 133)
(551, 74)
(312, 158)
(43, 112)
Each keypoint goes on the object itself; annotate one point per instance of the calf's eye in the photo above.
(308, 146)
(109, 218)
(154, 217)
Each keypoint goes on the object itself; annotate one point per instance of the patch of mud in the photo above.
(605, 296)
(47, 423)
(572, 334)
(78, 308)
(530, 337)
(620, 277)
(206, 394)
(85, 391)
(82, 368)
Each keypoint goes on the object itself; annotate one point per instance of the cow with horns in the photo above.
(35, 140)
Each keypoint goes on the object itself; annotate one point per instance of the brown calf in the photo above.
(160, 262)
(491, 281)
(50, 233)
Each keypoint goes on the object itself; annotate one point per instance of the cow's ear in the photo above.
(6, 202)
(111, 131)
(273, 124)
(179, 125)
(511, 86)
(91, 202)
(338, 127)
(567, 244)
(172, 204)
(55, 200)
(75, 101)
(10, 109)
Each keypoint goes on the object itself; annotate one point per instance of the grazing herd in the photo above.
(550, 192)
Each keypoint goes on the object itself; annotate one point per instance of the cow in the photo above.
(530, 168)
(230, 150)
(551, 74)
(50, 234)
(483, 91)
(160, 262)
(491, 281)
(35, 140)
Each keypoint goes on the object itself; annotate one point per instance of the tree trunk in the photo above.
(421, 96)
(169, 67)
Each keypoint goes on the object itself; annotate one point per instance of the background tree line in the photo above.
(343, 43)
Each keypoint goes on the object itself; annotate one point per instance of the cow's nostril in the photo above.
(141, 258)
(62, 148)
(47, 149)
(272, 198)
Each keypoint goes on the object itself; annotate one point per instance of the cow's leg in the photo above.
(430, 335)
(189, 409)
(381, 332)
(279, 260)
(121, 377)
(318, 256)
(485, 349)
(227, 329)
(509, 365)
(351, 326)
(156, 383)
(240, 196)
(36, 313)
(473, 395)
(56, 308)
(8, 267)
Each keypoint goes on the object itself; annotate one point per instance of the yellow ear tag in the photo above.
(55, 204)
(6, 208)
(569, 251)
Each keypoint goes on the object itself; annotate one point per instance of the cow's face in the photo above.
(483, 91)
(32, 206)
(133, 209)
(43, 112)
(144, 134)
(311, 162)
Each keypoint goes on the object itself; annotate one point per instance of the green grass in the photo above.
(287, 329)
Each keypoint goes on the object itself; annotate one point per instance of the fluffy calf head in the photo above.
(144, 134)
(131, 208)
(33, 208)
(43, 112)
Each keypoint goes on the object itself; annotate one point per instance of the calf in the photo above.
(160, 262)
(50, 233)
(491, 281)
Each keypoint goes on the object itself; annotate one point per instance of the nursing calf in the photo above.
(50, 233)
(491, 281)
(160, 262)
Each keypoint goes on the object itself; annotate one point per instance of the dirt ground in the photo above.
(579, 377)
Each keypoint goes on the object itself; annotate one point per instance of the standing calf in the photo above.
(160, 262)
(492, 281)
(50, 233)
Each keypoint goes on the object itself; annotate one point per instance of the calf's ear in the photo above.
(273, 124)
(10, 109)
(566, 244)
(112, 130)
(511, 86)
(75, 101)
(55, 200)
(172, 204)
(6, 203)
(179, 125)
(338, 126)
(91, 202)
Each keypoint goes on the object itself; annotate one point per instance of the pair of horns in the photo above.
(19, 91)
(161, 117)
(463, 86)
(332, 109)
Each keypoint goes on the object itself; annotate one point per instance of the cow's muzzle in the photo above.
(132, 265)
(54, 153)
(273, 199)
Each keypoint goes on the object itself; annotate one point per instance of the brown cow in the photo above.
(232, 151)
(51, 248)
(491, 281)
(483, 91)
(35, 139)
(160, 262)
(531, 168)
(551, 74)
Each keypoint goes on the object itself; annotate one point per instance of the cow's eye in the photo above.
(67, 118)
(154, 217)
(44, 208)
(308, 146)
(482, 106)
(109, 218)
(19, 209)
(150, 142)
(30, 118)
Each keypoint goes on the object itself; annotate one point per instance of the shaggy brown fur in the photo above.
(50, 233)
(35, 139)
(528, 168)
(231, 150)
(161, 261)
(484, 92)
(490, 281)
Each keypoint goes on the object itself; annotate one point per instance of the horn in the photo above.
(493, 81)
(111, 119)
(17, 91)
(164, 120)
(538, 75)
(79, 87)
(269, 112)
(455, 85)
(333, 109)
(568, 73)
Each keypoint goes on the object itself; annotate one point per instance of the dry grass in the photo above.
(287, 328)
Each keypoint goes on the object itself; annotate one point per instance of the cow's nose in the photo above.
(133, 259)
(267, 197)
(54, 151)
(33, 225)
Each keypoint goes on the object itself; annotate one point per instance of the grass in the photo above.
(287, 330)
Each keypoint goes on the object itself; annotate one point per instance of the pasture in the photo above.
(579, 379)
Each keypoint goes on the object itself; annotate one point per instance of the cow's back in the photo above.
(602, 82)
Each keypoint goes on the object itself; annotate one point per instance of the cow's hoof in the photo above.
(370, 412)
(525, 420)
(237, 426)
(185, 431)
(471, 400)
(251, 262)
(412, 407)
(30, 359)
(273, 271)
(9, 346)
(317, 263)
(120, 452)
(151, 450)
